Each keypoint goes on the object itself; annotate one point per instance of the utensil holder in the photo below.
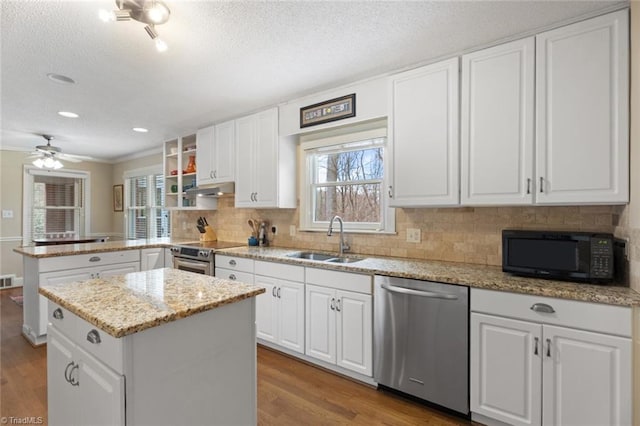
(209, 234)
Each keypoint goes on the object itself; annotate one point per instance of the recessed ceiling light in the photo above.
(140, 130)
(68, 114)
(59, 78)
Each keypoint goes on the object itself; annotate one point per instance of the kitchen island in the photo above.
(155, 347)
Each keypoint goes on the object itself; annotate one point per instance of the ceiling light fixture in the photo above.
(68, 114)
(140, 130)
(48, 162)
(149, 12)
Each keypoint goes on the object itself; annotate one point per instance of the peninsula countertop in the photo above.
(126, 304)
(478, 276)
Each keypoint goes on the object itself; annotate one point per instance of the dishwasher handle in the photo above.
(430, 294)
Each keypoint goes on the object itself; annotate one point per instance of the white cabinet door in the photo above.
(425, 136)
(267, 309)
(354, 332)
(244, 129)
(120, 269)
(100, 399)
(224, 156)
(582, 131)
(266, 157)
(205, 146)
(506, 369)
(497, 124)
(320, 323)
(586, 378)
(168, 258)
(58, 277)
(62, 404)
(291, 315)
(152, 258)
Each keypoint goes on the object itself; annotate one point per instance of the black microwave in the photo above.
(572, 256)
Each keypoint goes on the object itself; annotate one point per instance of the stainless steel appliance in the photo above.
(421, 340)
(576, 256)
(198, 257)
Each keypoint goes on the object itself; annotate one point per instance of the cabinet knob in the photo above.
(57, 314)
(232, 262)
(94, 337)
(94, 259)
(232, 277)
(542, 307)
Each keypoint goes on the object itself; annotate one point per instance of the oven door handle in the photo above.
(409, 291)
(197, 265)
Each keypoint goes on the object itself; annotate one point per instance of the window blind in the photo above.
(57, 207)
(146, 216)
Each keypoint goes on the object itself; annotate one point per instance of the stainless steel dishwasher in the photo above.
(421, 340)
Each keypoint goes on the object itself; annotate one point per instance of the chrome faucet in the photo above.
(344, 247)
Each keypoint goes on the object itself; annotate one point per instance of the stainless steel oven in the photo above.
(192, 259)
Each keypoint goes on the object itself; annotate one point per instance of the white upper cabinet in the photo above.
(582, 121)
(216, 154)
(265, 163)
(424, 136)
(497, 125)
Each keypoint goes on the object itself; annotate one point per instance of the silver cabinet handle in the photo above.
(215, 174)
(390, 191)
(338, 305)
(279, 292)
(251, 196)
(541, 184)
(535, 350)
(57, 314)
(232, 262)
(542, 307)
(73, 380)
(94, 259)
(273, 291)
(333, 304)
(93, 275)
(430, 294)
(549, 348)
(94, 337)
(255, 197)
(211, 175)
(232, 277)
(528, 185)
(66, 372)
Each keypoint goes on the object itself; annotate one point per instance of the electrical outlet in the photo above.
(292, 230)
(184, 226)
(413, 235)
(7, 214)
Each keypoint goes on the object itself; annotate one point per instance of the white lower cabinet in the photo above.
(531, 372)
(152, 258)
(339, 323)
(81, 390)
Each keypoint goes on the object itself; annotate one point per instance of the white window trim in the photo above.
(27, 196)
(128, 174)
(306, 200)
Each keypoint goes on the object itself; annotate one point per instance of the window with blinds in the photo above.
(146, 216)
(57, 207)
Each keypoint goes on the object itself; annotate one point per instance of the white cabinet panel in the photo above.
(267, 309)
(354, 332)
(60, 393)
(291, 315)
(123, 268)
(245, 159)
(587, 378)
(152, 258)
(582, 132)
(204, 160)
(497, 124)
(425, 136)
(320, 321)
(224, 152)
(506, 369)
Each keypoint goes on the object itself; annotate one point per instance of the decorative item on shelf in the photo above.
(327, 111)
(253, 241)
(191, 167)
(190, 148)
(173, 172)
(173, 150)
(174, 189)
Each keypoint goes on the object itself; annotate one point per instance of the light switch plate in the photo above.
(7, 214)
(413, 235)
(292, 230)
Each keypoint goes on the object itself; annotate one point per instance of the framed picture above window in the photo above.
(118, 195)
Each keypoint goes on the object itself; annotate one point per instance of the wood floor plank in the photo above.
(290, 392)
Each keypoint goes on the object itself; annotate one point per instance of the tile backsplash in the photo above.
(467, 234)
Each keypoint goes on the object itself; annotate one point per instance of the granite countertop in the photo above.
(85, 248)
(478, 276)
(126, 304)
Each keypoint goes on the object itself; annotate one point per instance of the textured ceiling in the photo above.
(224, 59)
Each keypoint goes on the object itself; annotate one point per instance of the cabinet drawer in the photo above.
(62, 319)
(229, 274)
(106, 348)
(280, 270)
(235, 263)
(339, 280)
(569, 313)
(88, 260)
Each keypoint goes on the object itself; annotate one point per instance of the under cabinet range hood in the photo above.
(212, 191)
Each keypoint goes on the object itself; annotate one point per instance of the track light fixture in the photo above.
(149, 12)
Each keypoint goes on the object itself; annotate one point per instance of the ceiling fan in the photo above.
(49, 156)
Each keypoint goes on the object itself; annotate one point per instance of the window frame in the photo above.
(27, 198)
(308, 185)
(152, 209)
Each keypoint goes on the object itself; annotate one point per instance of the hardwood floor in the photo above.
(290, 392)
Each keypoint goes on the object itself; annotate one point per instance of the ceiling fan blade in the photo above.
(72, 157)
(69, 159)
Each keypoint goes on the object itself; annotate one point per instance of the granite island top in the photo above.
(86, 248)
(125, 304)
(478, 276)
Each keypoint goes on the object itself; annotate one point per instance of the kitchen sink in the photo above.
(309, 255)
(323, 257)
